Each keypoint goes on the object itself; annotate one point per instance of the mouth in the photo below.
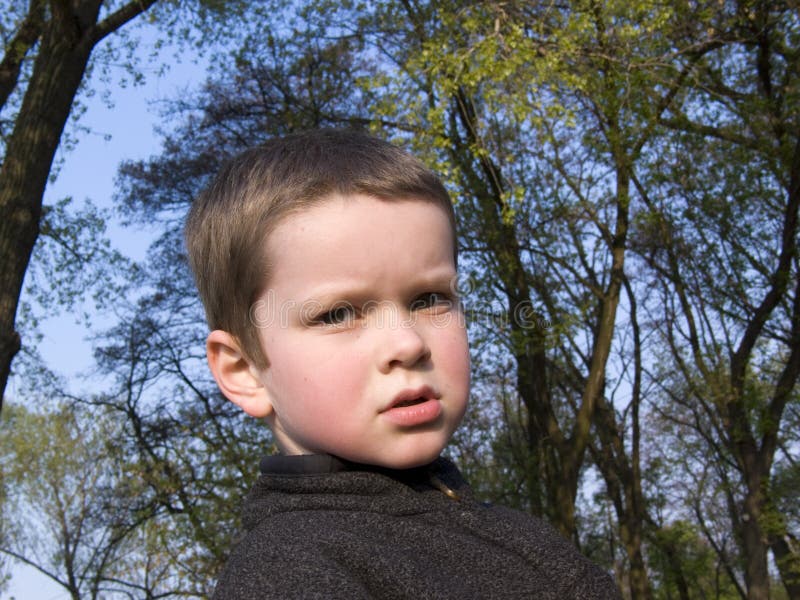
(413, 408)
(412, 402)
(413, 397)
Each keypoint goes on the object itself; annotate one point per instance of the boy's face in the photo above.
(365, 342)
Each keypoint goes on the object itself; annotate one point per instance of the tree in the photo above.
(721, 237)
(63, 35)
(64, 512)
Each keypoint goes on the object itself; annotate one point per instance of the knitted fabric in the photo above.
(319, 528)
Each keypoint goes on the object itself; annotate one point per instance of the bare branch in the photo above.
(120, 17)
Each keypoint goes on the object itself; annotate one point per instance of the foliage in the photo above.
(626, 185)
(63, 510)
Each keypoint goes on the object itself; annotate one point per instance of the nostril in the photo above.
(405, 348)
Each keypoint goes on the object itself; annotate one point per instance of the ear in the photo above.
(236, 377)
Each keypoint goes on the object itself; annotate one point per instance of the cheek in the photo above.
(317, 379)
(455, 349)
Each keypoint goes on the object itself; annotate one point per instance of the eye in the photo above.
(432, 300)
(338, 315)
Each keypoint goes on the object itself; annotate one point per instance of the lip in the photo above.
(420, 413)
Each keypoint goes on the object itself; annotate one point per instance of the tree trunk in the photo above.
(757, 539)
(787, 558)
(623, 485)
(755, 549)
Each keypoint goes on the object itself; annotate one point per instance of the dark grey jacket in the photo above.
(317, 527)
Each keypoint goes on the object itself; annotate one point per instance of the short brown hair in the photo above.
(228, 223)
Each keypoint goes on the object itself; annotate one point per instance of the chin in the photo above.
(412, 460)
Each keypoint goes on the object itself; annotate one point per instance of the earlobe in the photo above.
(235, 376)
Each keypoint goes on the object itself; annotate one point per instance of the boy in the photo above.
(326, 262)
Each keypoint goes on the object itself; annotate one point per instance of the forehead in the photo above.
(361, 236)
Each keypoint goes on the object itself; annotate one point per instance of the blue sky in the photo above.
(121, 132)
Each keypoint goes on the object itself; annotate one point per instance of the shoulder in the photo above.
(550, 553)
(274, 561)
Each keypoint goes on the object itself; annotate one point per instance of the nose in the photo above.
(402, 345)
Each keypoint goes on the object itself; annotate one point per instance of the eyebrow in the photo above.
(360, 291)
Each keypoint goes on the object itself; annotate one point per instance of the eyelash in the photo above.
(440, 299)
(336, 316)
(344, 314)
